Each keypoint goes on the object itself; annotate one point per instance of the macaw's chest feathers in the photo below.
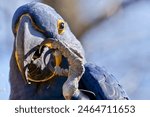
(104, 85)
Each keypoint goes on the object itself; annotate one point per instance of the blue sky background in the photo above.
(121, 44)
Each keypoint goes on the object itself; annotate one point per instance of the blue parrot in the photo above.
(48, 61)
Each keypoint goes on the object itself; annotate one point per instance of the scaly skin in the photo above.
(76, 67)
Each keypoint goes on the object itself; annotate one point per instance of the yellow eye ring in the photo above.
(61, 27)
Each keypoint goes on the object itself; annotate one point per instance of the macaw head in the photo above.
(32, 24)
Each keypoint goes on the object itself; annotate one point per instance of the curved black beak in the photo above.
(31, 61)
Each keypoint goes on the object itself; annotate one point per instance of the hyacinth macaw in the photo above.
(48, 61)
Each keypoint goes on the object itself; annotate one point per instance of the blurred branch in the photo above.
(71, 12)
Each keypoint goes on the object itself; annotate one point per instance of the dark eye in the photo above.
(61, 26)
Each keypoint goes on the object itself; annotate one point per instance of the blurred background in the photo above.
(115, 35)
